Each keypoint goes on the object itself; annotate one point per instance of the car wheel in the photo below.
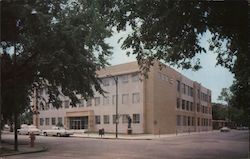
(45, 134)
(58, 134)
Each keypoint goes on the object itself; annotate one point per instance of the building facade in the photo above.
(165, 102)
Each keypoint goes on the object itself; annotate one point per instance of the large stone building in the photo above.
(165, 102)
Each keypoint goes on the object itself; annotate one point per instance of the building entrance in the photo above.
(78, 122)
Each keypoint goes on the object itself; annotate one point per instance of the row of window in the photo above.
(182, 120)
(164, 77)
(51, 121)
(96, 101)
(125, 117)
(188, 90)
(184, 105)
(185, 89)
(188, 106)
(122, 79)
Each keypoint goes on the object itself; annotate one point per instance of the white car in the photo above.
(28, 129)
(57, 131)
(224, 129)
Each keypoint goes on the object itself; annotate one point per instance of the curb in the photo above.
(108, 138)
(43, 149)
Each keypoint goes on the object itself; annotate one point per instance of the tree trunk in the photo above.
(15, 131)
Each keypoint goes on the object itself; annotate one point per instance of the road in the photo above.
(212, 145)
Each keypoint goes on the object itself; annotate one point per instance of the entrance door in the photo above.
(78, 122)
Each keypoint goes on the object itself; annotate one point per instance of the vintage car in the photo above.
(57, 131)
(224, 129)
(28, 129)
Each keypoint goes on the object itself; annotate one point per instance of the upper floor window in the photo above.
(105, 82)
(81, 104)
(183, 104)
(106, 100)
(125, 99)
(178, 105)
(135, 97)
(178, 85)
(97, 101)
(66, 104)
(124, 79)
(89, 102)
(135, 77)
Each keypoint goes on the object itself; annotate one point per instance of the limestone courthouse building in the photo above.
(165, 102)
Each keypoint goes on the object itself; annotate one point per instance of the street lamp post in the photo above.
(116, 104)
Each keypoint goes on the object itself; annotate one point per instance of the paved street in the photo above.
(232, 145)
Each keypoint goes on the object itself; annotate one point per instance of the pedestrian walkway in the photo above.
(134, 136)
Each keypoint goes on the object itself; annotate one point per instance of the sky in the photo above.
(210, 76)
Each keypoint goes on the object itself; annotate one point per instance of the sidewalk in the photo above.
(134, 136)
(7, 149)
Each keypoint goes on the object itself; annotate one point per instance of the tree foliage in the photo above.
(57, 44)
(170, 31)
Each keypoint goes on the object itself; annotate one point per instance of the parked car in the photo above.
(57, 131)
(28, 129)
(242, 128)
(224, 129)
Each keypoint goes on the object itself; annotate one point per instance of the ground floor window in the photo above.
(106, 119)
(136, 118)
(178, 120)
(41, 121)
(46, 121)
(97, 119)
(53, 121)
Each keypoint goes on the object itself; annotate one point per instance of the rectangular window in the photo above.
(183, 104)
(184, 121)
(66, 104)
(198, 107)
(178, 86)
(105, 82)
(97, 101)
(178, 120)
(89, 102)
(81, 104)
(59, 121)
(53, 121)
(41, 121)
(124, 118)
(191, 92)
(135, 77)
(124, 78)
(187, 105)
(189, 121)
(192, 121)
(106, 100)
(198, 121)
(114, 99)
(97, 119)
(183, 88)
(125, 99)
(46, 121)
(136, 118)
(191, 106)
(135, 98)
(198, 94)
(106, 119)
(114, 119)
(178, 103)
